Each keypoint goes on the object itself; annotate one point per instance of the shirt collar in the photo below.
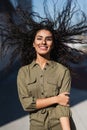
(33, 64)
(49, 63)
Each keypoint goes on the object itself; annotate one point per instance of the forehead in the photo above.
(44, 32)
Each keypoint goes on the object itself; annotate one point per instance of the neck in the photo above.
(42, 61)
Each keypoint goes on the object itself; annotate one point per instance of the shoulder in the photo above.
(23, 73)
(24, 69)
(61, 69)
(60, 66)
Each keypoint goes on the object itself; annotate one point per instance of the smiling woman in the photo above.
(45, 96)
(44, 79)
(43, 43)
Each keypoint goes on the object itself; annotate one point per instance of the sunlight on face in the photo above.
(43, 42)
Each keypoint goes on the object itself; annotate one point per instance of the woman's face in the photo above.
(43, 42)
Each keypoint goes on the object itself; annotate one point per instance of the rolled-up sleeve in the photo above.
(28, 102)
(64, 111)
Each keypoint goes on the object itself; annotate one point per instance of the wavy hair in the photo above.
(20, 36)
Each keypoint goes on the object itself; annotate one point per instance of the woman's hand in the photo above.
(63, 99)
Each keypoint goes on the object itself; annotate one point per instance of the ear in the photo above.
(33, 44)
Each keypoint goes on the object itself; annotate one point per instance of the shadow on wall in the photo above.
(80, 79)
(10, 107)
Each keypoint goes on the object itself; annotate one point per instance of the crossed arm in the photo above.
(61, 99)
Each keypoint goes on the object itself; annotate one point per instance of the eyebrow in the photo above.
(46, 37)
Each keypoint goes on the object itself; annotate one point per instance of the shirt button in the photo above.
(42, 93)
(41, 75)
(43, 111)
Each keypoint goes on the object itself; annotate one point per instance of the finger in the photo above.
(67, 93)
(68, 105)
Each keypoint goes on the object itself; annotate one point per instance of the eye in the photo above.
(49, 39)
(39, 38)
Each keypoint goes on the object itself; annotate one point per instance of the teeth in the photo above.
(43, 47)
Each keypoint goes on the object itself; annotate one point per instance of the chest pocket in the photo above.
(52, 87)
(32, 87)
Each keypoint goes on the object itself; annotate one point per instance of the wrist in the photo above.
(55, 100)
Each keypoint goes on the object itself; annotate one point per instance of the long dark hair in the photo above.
(22, 35)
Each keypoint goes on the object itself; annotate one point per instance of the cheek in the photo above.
(51, 46)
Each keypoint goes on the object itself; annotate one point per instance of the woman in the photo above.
(43, 86)
(44, 81)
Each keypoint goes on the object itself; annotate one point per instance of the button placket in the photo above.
(42, 83)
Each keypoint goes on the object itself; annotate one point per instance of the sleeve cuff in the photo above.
(32, 105)
(63, 111)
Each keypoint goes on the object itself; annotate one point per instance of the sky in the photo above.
(37, 6)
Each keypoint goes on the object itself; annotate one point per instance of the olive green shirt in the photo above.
(34, 83)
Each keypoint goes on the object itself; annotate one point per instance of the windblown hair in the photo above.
(21, 35)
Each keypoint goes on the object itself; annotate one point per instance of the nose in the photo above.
(44, 41)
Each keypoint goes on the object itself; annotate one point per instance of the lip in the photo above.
(43, 47)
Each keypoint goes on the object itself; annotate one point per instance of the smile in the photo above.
(43, 47)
